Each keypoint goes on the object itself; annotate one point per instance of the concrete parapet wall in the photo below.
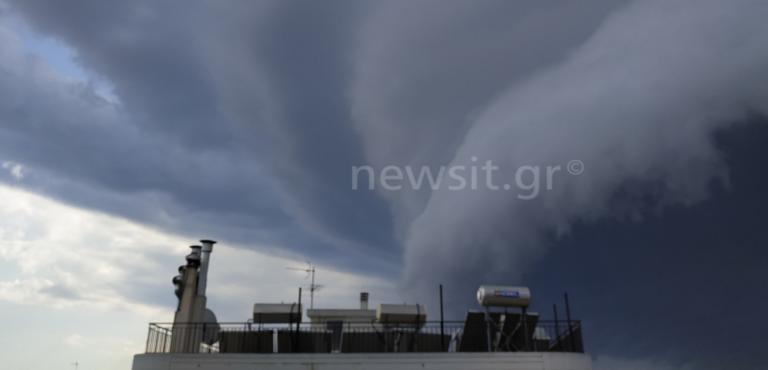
(365, 361)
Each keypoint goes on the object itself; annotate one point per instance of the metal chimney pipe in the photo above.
(193, 258)
(204, 261)
(195, 249)
(363, 300)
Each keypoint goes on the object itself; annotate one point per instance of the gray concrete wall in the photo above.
(365, 361)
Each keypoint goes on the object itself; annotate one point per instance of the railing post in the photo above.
(557, 324)
(296, 346)
(165, 337)
(149, 335)
(442, 321)
(570, 327)
(525, 329)
(488, 329)
(202, 336)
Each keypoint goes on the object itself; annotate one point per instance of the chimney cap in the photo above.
(193, 260)
(207, 245)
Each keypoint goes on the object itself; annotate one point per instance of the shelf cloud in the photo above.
(244, 121)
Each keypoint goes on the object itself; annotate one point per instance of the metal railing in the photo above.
(453, 336)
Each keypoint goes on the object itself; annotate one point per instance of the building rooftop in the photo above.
(503, 326)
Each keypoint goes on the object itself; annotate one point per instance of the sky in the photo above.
(628, 140)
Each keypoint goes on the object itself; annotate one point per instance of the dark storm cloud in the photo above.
(244, 119)
(682, 280)
(424, 72)
(170, 138)
(277, 83)
(638, 103)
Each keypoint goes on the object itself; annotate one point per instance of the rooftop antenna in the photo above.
(76, 364)
(310, 270)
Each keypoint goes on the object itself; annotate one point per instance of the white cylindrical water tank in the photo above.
(401, 314)
(503, 296)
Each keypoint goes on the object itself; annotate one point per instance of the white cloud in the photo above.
(25, 291)
(74, 269)
(74, 340)
(73, 257)
(15, 169)
(70, 257)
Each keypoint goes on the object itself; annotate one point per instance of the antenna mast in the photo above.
(310, 270)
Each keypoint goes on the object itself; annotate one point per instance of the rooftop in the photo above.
(501, 333)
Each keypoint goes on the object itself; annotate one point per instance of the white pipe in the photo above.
(204, 261)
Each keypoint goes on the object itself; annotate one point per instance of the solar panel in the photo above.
(511, 324)
(474, 337)
(522, 339)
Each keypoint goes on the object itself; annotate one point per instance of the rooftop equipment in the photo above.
(211, 327)
(474, 336)
(205, 258)
(277, 313)
(503, 296)
(319, 316)
(191, 309)
(401, 314)
(353, 315)
(364, 300)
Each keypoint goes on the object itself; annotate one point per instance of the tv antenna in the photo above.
(310, 270)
